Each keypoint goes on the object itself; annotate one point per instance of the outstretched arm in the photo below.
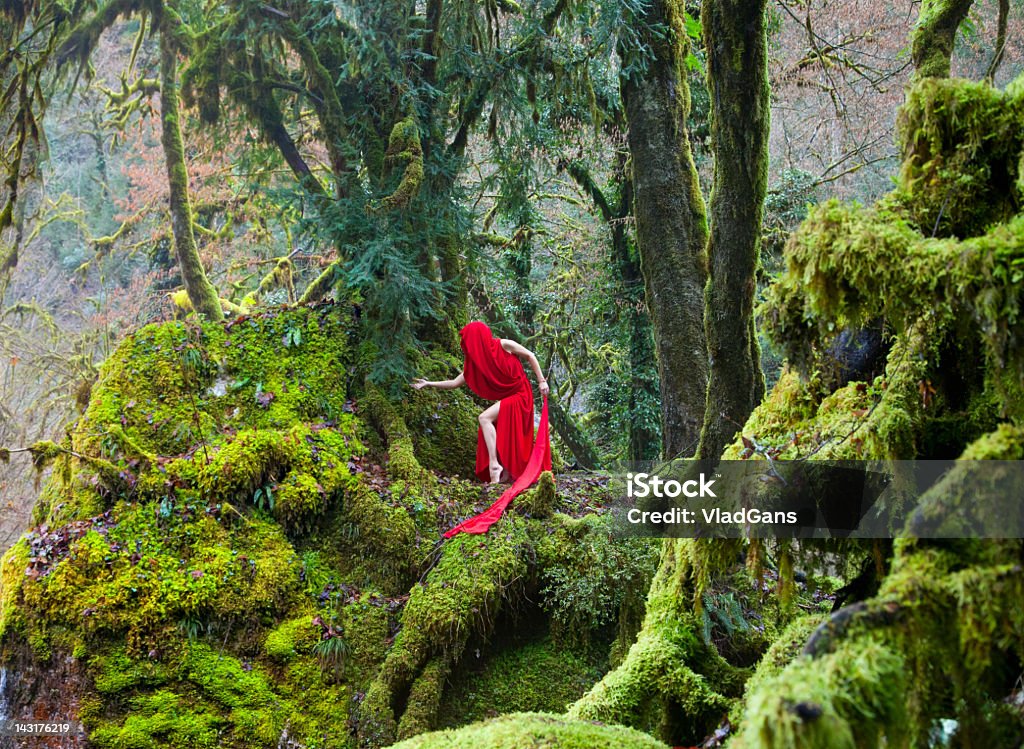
(526, 355)
(459, 381)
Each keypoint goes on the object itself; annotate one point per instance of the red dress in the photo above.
(494, 374)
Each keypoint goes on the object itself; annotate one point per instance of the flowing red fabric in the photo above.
(540, 455)
(494, 374)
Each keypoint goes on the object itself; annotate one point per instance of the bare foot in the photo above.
(496, 470)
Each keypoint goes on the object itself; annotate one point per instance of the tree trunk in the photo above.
(932, 40)
(671, 225)
(736, 44)
(644, 438)
(201, 292)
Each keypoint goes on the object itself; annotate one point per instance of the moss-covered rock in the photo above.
(521, 730)
(540, 676)
(240, 545)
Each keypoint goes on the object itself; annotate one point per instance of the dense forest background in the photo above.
(232, 232)
(538, 197)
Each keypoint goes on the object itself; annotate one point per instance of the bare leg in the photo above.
(487, 420)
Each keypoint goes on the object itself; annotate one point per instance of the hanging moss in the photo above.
(404, 150)
(961, 145)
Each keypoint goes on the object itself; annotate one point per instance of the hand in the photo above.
(544, 389)
(419, 383)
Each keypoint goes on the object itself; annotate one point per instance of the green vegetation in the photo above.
(231, 541)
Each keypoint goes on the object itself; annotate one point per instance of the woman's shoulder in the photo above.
(511, 347)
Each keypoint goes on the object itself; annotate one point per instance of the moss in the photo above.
(587, 575)
(146, 575)
(280, 277)
(1005, 443)
(851, 698)
(442, 423)
(385, 542)
(534, 729)
(402, 461)
(842, 251)
(404, 150)
(13, 567)
(672, 682)
(961, 142)
(291, 637)
(200, 291)
(115, 671)
(424, 699)
(882, 420)
(172, 388)
(540, 676)
(934, 35)
(208, 699)
(936, 262)
(248, 524)
(783, 651)
(926, 648)
(461, 596)
(539, 502)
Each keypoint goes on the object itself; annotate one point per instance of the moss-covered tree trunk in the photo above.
(644, 438)
(201, 292)
(736, 45)
(671, 225)
(932, 40)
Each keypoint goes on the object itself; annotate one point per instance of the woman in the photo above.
(493, 370)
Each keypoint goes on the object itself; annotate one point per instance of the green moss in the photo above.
(1005, 443)
(404, 150)
(534, 729)
(172, 387)
(672, 682)
(882, 420)
(209, 699)
(461, 596)
(217, 497)
(13, 566)
(115, 671)
(783, 651)
(291, 637)
(539, 502)
(541, 676)
(443, 423)
(851, 698)
(840, 252)
(927, 647)
(147, 574)
(961, 142)
(587, 575)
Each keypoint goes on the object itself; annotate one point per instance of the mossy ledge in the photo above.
(239, 546)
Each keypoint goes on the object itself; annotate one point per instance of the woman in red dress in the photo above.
(493, 370)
